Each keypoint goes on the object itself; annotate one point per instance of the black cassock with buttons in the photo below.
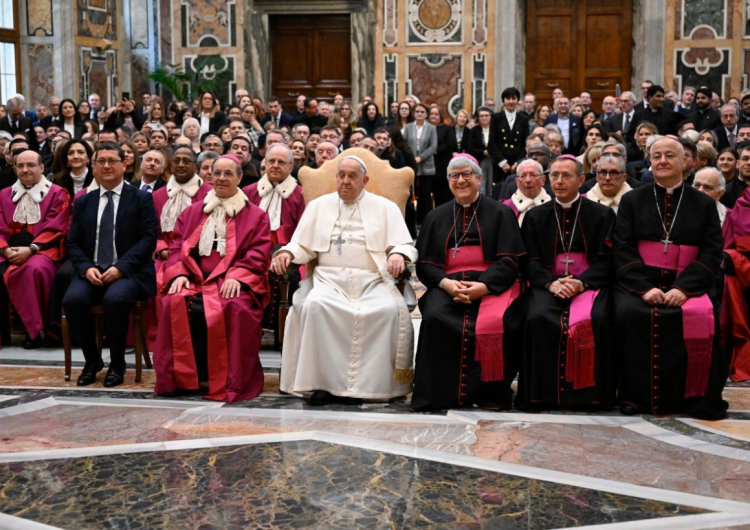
(548, 344)
(654, 359)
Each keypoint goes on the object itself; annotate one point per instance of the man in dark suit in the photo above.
(111, 243)
(310, 117)
(277, 114)
(508, 132)
(702, 115)
(664, 119)
(16, 121)
(152, 170)
(569, 125)
(643, 104)
(621, 122)
(727, 132)
(54, 112)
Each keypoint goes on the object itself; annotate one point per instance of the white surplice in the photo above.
(349, 331)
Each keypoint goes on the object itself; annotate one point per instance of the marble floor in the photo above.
(98, 458)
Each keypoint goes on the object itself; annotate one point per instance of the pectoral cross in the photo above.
(567, 261)
(338, 242)
(455, 251)
(666, 242)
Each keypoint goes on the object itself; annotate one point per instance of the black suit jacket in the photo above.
(160, 182)
(117, 119)
(24, 126)
(473, 141)
(284, 119)
(507, 143)
(616, 122)
(446, 146)
(136, 227)
(664, 119)
(708, 119)
(721, 135)
(78, 131)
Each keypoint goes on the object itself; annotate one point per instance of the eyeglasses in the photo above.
(465, 174)
(104, 161)
(610, 174)
(529, 176)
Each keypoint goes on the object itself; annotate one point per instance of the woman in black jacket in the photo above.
(446, 148)
(69, 119)
(371, 119)
(210, 118)
(124, 114)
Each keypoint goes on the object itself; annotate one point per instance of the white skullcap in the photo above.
(358, 159)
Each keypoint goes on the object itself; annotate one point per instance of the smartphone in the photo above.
(125, 96)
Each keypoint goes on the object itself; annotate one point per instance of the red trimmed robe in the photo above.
(29, 284)
(233, 325)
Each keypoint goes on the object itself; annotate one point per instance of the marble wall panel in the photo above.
(99, 74)
(139, 24)
(139, 82)
(41, 73)
(390, 22)
(165, 50)
(390, 91)
(702, 67)
(479, 30)
(437, 78)
(704, 18)
(97, 19)
(434, 22)
(209, 66)
(208, 24)
(478, 79)
(39, 18)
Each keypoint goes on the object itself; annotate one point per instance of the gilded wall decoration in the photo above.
(436, 78)
(39, 18)
(208, 24)
(41, 73)
(97, 19)
(434, 22)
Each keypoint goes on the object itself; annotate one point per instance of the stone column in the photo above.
(363, 50)
(510, 45)
(649, 18)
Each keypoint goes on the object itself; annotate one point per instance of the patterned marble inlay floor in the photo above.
(304, 484)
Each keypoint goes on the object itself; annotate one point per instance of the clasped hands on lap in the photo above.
(280, 264)
(96, 277)
(566, 287)
(463, 292)
(229, 289)
(672, 298)
(17, 255)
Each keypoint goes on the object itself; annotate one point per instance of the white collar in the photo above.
(37, 192)
(523, 203)
(733, 131)
(510, 114)
(117, 189)
(671, 190)
(567, 205)
(283, 188)
(190, 188)
(596, 195)
(232, 206)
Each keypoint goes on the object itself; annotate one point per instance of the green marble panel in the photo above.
(298, 485)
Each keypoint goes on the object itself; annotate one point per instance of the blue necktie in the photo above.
(106, 252)
(145, 187)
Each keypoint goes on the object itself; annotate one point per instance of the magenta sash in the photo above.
(489, 328)
(581, 365)
(697, 313)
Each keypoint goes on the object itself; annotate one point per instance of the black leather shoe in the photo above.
(33, 344)
(321, 397)
(115, 376)
(88, 376)
(628, 410)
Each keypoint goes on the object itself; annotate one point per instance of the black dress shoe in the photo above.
(321, 397)
(33, 344)
(115, 376)
(88, 376)
(627, 409)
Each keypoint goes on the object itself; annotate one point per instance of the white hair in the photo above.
(715, 171)
(530, 162)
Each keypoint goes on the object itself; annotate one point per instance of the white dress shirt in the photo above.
(102, 205)
(511, 117)
(564, 124)
(205, 123)
(149, 186)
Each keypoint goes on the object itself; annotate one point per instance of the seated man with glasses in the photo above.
(469, 251)
(535, 150)
(215, 290)
(278, 194)
(530, 179)
(34, 218)
(564, 341)
(611, 182)
(111, 244)
(349, 334)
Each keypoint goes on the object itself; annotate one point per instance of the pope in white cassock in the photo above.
(348, 335)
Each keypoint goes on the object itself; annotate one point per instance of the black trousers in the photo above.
(116, 298)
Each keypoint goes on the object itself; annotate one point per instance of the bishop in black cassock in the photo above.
(468, 259)
(668, 248)
(565, 334)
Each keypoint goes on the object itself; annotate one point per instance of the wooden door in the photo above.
(310, 55)
(578, 45)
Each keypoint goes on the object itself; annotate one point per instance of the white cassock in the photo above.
(349, 331)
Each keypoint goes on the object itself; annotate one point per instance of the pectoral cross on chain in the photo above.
(567, 261)
(338, 242)
(666, 242)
